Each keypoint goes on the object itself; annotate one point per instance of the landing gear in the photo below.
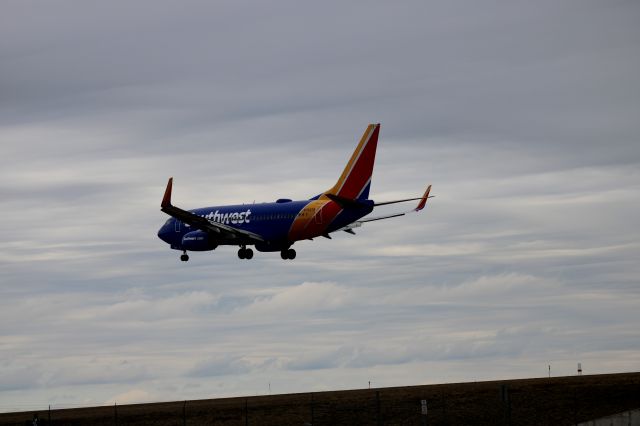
(184, 257)
(288, 254)
(245, 253)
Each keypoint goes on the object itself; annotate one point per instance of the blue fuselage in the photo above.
(280, 224)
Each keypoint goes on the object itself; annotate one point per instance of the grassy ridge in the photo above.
(546, 401)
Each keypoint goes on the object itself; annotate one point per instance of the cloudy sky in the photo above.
(523, 115)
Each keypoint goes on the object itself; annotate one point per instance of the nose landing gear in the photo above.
(184, 257)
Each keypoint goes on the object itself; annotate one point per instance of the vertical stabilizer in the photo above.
(355, 181)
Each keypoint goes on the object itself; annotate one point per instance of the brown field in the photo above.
(545, 401)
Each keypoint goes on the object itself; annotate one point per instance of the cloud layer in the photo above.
(523, 116)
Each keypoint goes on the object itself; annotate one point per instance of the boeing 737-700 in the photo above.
(273, 227)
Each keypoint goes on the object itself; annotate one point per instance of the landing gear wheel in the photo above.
(248, 253)
(242, 253)
(288, 254)
(184, 257)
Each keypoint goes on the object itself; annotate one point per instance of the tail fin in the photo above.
(355, 181)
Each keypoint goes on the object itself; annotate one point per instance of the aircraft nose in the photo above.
(163, 234)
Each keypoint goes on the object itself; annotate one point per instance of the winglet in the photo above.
(423, 200)
(166, 200)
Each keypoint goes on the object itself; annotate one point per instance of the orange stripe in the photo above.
(313, 219)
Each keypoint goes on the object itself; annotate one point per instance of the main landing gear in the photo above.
(184, 257)
(245, 253)
(288, 254)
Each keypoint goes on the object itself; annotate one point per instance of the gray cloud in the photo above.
(220, 366)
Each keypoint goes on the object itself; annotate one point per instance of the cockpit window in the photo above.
(168, 221)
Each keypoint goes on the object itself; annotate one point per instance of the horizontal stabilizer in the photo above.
(420, 206)
(423, 200)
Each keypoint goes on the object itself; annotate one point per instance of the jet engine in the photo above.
(198, 241)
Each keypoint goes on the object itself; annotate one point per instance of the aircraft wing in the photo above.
(420, 206)
(199, 222)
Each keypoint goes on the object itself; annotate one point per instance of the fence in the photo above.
(528, 402)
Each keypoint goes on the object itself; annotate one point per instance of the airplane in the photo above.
(275, 227)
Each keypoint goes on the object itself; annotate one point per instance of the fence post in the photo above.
(423, 411)
(509, 410)
(575, 407)
(506, 404)
(246, 412)
(313, 420)
(444, 409)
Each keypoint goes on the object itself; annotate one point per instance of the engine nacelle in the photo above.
(198, 241)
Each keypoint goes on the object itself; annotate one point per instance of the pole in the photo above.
(184, 414)
(378, 418)
(115, 412)
(49, 420)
